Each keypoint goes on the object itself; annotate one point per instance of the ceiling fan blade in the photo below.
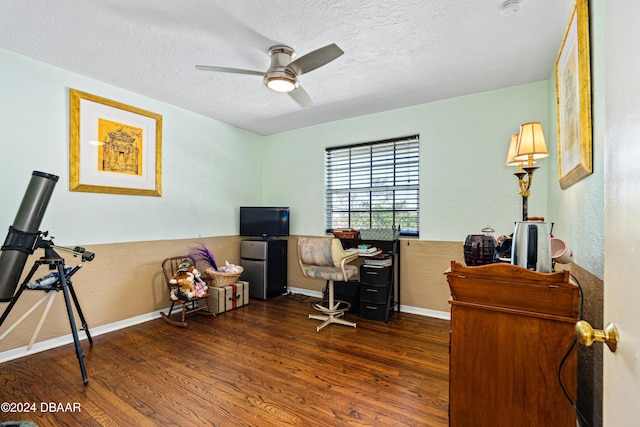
(301, 97)
(229, 70)
(315, 59)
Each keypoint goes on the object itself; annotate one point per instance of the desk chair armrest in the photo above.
(347, 260)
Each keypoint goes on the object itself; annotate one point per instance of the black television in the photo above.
(264, 221)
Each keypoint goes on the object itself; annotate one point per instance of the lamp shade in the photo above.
(531, 144)
(513, 145)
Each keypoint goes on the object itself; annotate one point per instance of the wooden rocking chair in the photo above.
(170, 267)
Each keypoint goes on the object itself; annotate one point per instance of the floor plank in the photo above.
(263, 364)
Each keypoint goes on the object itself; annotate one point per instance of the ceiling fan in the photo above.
(282, 75)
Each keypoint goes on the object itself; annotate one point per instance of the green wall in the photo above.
(208, 167)
(464, 183)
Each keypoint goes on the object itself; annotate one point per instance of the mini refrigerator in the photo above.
(265, 267)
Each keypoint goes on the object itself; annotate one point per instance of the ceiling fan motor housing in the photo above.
(278, 77)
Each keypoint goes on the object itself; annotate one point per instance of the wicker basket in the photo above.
(346, 234)
(220, 279)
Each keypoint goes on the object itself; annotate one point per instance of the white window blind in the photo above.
(374, 185)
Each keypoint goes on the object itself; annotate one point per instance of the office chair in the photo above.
(324, 258)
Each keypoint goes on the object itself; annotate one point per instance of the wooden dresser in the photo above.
(510, 329)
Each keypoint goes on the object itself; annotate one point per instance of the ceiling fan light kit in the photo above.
(282, 75)
(280, 84)
(278, 77)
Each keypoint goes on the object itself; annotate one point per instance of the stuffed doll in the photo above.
(184, 281)
(187, 289)
(200, 287)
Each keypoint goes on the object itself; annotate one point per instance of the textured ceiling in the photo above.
(397, 52)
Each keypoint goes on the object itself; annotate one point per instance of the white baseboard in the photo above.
(445, 315)
(38, 347)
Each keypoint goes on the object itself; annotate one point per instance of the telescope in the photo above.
(24, 233)
(22, 240)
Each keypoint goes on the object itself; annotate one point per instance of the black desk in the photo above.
(390, 247)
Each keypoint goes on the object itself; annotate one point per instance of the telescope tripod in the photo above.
(62, 283)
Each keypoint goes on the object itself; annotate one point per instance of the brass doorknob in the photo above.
(587, 335)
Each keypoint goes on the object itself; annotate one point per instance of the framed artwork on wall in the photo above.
(573, 97)
(113, 148)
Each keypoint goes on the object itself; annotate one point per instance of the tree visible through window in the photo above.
(374, 185)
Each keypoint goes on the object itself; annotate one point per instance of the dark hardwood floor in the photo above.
(260, 365)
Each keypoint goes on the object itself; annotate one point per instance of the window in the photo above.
(374, 185)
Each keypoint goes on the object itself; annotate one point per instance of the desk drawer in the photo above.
(375, 276)
(374, 294)
(373, 311)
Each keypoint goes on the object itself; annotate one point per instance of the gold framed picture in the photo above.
(573, 96)
(113, 147)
